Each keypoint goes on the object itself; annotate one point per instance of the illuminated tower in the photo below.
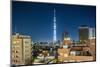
(54, 27)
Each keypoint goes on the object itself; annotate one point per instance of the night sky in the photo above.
(36, 19)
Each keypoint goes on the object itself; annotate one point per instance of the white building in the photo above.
(21, 49)
(92, 33)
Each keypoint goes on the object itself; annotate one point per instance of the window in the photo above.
(26, 50)
(15, 61)
(13, 51)
(16, 51)
(26, 42)
(16, 56)
(72, 53)
(26, 46)
(16, 42)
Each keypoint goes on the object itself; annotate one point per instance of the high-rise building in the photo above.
(83, 33)
(92, 33)
(54, 28)
(92, 42)
(66, 39)
(92, 46)
(65, 50)
(65, 36)
(21, 49)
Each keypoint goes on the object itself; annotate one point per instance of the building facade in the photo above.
(83, 33)
(92, 46)
(21, 49)
(92, 33)
(66, 40)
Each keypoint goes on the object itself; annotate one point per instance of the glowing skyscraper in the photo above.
(54, 27)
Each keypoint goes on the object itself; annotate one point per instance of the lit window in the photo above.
(17, 41)
(65, 38)
(14, 42)
(61, 53)
(65, 55)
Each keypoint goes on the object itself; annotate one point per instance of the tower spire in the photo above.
(54, 27)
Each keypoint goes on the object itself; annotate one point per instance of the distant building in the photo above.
(92, 33)
(83, 33)
(92, 42)
(84, 51)
(65, 35)
(66, 40)
(65, 50)
(21, 49)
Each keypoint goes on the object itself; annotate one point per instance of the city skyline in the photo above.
(37, 20)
